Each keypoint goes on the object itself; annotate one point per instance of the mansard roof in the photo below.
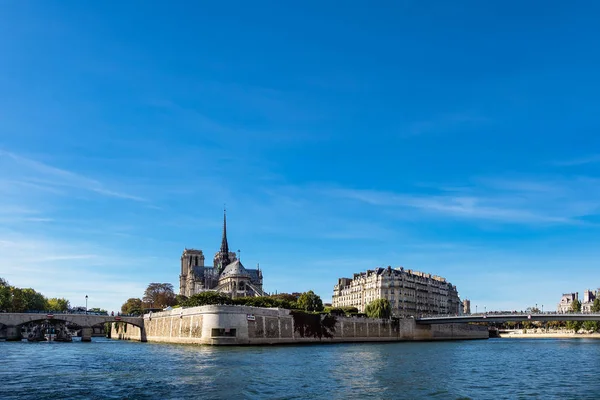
(234, 269)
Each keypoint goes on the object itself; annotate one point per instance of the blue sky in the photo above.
(453, 138)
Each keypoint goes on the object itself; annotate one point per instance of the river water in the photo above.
(496, 368)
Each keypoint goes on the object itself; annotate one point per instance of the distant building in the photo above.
(409, 292)
(226, 275)
(466, 306)
(566, 302)
(588, 300)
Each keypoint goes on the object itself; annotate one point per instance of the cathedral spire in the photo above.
(222, 259)
(224, 244)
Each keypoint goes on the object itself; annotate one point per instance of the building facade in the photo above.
(409, 292)
(566, 302)
(226, 275)
(466, 307)
(589, 296)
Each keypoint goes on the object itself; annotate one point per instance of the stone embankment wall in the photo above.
(240, 325)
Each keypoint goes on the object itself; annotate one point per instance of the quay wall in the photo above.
(243, 325)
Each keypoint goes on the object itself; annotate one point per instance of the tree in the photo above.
(26, 300)
(309, 301)
(159, 295)
(5, 295)
(380, 308)
(55, 304)
(596, 305)
(575, 325)
(590, 326)
(180, 299)
(132, 306)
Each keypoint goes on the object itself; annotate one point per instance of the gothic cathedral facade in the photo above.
(226, 275)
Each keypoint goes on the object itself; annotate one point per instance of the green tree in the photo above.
(286, 300)
(132, 306)
(159, 295)
(206, 298)
(596, 305)
(55, 304)
(180, 299)
(575, 325)
(590, 326)
(380, 308)
(5, 295)
(22, 300)
(34, 301)
(17, 300)
(310, 301)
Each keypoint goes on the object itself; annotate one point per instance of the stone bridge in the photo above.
(13, 322)
(500, 318)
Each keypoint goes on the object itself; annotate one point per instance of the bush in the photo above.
(350, 310)
(207, 298)
(264, 301)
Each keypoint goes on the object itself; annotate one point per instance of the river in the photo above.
(110, 369)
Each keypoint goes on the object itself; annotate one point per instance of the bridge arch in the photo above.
(85, 321)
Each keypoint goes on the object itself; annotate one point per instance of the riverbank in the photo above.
(550, 334)
(242, 325)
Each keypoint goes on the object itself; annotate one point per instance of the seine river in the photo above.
(497, 368)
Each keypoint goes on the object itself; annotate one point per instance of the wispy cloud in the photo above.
(445, 122)
(592, 159)
(43, 176)
(514, 201)
(71, 268)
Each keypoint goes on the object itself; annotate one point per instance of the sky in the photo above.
(454, 138)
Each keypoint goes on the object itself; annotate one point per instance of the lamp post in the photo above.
(86, 297)
(485, 309)
(536, 309)
(542, 308)
(475, 308)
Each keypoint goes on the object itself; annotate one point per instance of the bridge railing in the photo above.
(504, 313)
(95, 313)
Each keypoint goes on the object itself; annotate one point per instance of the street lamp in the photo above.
(485, 309)
(536, 309)
(475, 308)
(542, 308)
(86, 296)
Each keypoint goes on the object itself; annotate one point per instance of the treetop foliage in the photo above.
(309, 301)
(380, 308)
(132, 306)
(159, 295)
(14, 299)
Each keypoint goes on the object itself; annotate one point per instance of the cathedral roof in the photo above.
(235, 269)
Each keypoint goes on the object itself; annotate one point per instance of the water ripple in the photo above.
(105, 369)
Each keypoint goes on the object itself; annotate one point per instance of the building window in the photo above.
(223, 332)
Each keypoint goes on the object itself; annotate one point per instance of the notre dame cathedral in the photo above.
(226, 275)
